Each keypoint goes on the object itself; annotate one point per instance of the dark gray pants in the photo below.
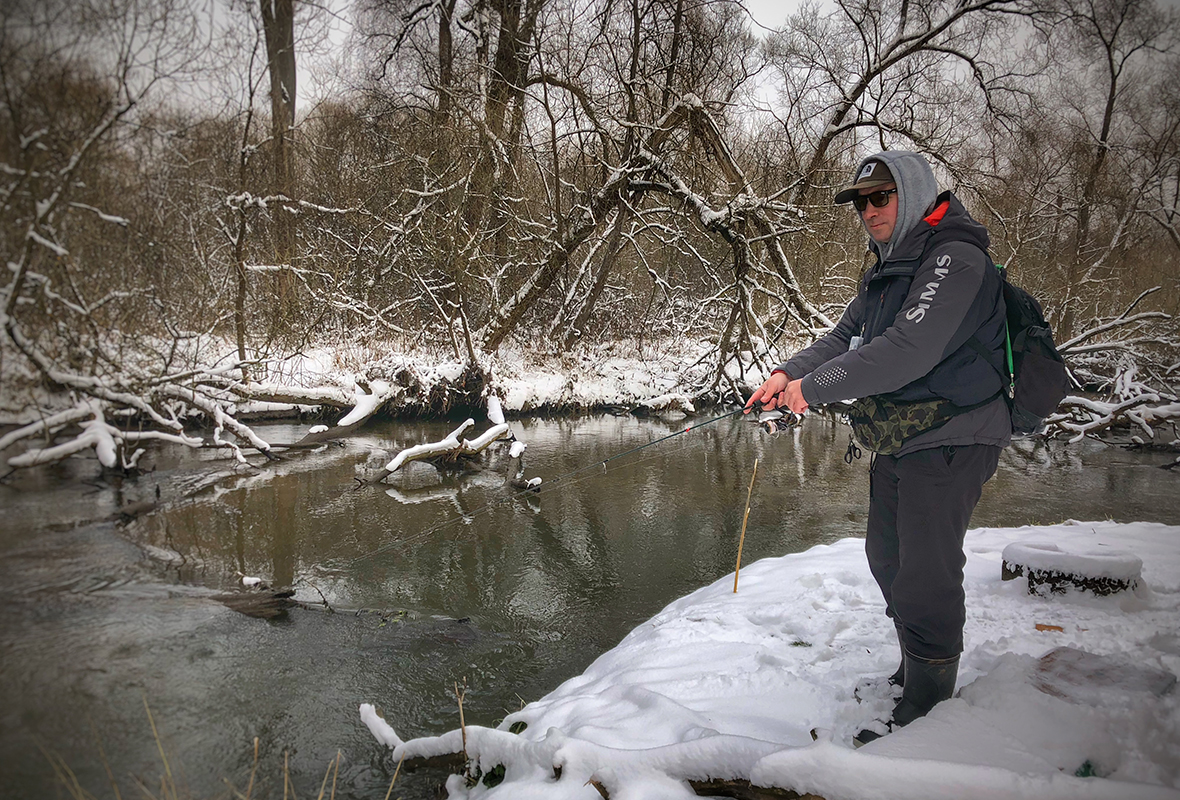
(919, 507)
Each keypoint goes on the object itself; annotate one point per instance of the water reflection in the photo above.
(434, 578)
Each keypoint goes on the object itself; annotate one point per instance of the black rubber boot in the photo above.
(898, 678)
(927, 683)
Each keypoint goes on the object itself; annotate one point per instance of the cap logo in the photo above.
(866, 172)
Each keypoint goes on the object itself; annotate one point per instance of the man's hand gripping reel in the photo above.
(776, 420)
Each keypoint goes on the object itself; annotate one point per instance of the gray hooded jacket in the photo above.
(932, 288)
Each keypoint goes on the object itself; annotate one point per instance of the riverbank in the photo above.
(322, 382)
(347, 385)
(725, 685)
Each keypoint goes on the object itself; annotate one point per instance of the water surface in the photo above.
(432, 580)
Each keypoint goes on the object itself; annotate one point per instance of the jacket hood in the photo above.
(949, 220)
(916, 193)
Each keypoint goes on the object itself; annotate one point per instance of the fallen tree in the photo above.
(451, 449)
(1126, 368)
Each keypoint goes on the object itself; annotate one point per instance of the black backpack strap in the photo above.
(978, 347)
(1006, 377)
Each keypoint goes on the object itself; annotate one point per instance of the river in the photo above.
(412, 588)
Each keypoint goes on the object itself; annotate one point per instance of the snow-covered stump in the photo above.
(1049, 568)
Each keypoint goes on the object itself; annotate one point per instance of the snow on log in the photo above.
(368, 399)
(278, 393)
(495, 410)
(477, 750)
(47, 455)
(50, 424)
(366, 403)
(518, 448)
(96, 433)
(1078, 417)
(1045, 564)
(451, 442)
(381, 730)
(450, 446)
(480, 442)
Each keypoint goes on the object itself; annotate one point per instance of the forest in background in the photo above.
(550, 175)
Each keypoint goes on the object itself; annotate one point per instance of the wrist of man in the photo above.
(780, 371)
(807, 388)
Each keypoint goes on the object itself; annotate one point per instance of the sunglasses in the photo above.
(878, 199)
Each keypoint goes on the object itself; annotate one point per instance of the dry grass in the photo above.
(172, 789)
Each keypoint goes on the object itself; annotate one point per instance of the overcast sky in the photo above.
(316, 70)
(770, 13)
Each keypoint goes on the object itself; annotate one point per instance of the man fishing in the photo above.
(913, 349)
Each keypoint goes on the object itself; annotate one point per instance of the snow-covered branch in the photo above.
(1078, 417)
(1120, 322)
(108, 442)
(450, 447)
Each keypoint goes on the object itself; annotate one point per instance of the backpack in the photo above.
(1035, 376)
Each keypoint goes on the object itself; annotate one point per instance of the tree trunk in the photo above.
(446, 65)
(501, 80)
(614, 246)
(582, 223)
(677, 36)
(278, 26)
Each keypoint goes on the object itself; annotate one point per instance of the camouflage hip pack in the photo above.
(884, 426)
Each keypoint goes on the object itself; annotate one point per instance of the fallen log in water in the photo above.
(368, 399)
(262, 604)
(447, 450)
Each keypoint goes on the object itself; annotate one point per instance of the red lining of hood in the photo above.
(938, 213)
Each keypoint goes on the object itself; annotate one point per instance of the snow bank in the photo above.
(729, 685)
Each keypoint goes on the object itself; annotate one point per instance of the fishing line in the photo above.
(559, 481)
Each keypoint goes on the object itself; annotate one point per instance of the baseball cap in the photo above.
(871, 174)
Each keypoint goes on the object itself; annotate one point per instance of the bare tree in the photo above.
(89, 323)
(1109, 39)
(278, 26)
(886, 72)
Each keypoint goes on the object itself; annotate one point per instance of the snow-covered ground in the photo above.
(730, 686)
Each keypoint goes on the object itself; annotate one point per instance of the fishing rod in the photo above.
(782, 422)
(554, 482)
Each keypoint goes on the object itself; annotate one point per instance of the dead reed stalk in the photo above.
(745, 519)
